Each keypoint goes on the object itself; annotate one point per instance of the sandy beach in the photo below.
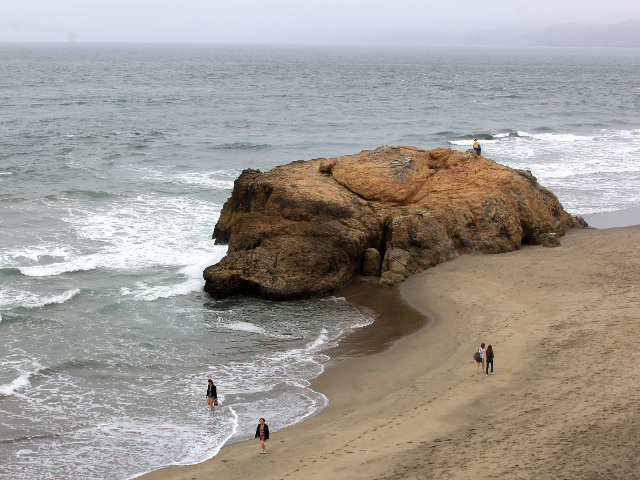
(563, 402)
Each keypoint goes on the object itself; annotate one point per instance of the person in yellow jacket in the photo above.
(476, 147)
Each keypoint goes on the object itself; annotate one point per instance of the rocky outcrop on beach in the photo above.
(551, 241)
(305, 229)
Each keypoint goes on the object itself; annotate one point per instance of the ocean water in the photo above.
(115, 161)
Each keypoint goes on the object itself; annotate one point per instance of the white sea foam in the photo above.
(319, 341)
(25, 368)
(12, 298)
(13, 258)
(245, 327)
(18, 383)
(192, 275)
(200, 452)
(557, 137)
(294, 366)
(194, 270)
(130, 234)
(77, 264)
(217, 179)
(205, 179)
(25, 451)
(332, 298)
(367, 316)
(150, 292)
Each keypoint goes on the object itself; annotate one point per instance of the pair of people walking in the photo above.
(262, 431)
(483, 357)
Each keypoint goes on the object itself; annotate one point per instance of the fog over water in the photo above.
(291, 21)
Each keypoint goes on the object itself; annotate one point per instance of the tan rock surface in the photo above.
(302, 229)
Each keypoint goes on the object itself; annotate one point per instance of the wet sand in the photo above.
(563, 402)
(395, 318)
(621, 218)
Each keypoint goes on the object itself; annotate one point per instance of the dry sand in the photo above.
(564, 401)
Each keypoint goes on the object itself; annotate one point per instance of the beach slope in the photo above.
(563, 403)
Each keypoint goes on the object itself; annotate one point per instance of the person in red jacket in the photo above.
(263, 432)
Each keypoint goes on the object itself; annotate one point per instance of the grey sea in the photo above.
(115, 161)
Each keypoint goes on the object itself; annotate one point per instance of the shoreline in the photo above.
(423, 392)
(339, 369)
(394, 319)
(627, 217)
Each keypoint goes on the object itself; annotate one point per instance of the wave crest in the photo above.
(10, 388)
(10, 298)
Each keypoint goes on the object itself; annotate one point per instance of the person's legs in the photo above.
(210, 402)
(491, 367)
(264, 445)
(477, 367)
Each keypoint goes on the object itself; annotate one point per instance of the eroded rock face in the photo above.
(304, 229)
(372, 263)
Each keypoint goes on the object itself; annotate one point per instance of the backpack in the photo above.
(476, 356)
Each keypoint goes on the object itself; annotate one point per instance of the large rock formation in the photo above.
(303, 229)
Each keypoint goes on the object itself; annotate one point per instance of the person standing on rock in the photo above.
(489, 355)
(476, 147)
(479, 356)
(212, 395)
(262, 432)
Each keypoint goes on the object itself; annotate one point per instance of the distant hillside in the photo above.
(624, 34)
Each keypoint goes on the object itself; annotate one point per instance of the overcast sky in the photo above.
(287, 21)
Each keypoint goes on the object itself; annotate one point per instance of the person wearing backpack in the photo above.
(489, 355)
(476, 147)
(479, 358)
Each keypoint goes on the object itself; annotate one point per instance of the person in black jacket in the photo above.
(212, 395)
(263, 432)
(489, 354)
